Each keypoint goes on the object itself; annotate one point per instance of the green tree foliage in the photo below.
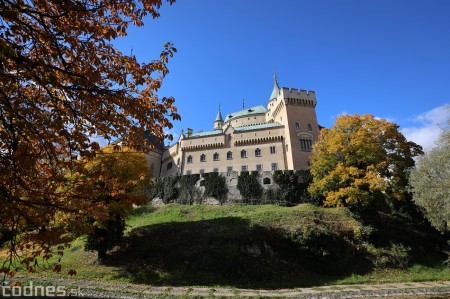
(215, 186)
(165, 188)
(187, 191)
(293, 184)
(359, 159)
(430, 183)
(249, 186)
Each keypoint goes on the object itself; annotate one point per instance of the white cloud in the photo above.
(430, 125)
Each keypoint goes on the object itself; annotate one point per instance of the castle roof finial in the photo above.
(275, 79)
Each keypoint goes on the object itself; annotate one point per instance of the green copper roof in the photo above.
(249, 111)
(207, 133)
(257, 127)
(276, 89)
(219, 117)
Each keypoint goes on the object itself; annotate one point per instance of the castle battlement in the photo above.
(298, 93)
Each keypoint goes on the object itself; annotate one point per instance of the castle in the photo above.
(277, 136)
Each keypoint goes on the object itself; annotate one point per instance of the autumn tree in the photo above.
(115, 180)
(430, 183)
(361, 159)
(62, 83)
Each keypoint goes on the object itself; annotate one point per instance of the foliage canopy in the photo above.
(64, 83)
(360, 159)
(430, 183)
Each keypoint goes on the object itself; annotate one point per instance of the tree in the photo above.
(430, 183)
(63, 83)
(248, 185)
(215, 186)
(115, 180)
(293, 184)
(361, 159)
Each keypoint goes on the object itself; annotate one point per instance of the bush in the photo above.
(291, 189)
(249, 186)
(164, 188)
(396, 256)
(215, 186)
(187, 192)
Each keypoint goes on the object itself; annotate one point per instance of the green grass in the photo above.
(262, 246)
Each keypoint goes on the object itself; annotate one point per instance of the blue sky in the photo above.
(387, 58)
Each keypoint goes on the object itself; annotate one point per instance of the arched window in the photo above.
(169, 165)
(229, 137)
(203, 158)
(309, 127)
(267, 181)
(257, 152)
(189, 159)
(297, 126)
(178, 161)
(229, 155)
(216, 157)
(305, 143)
(243, 154)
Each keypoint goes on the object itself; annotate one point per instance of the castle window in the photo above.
(243, 154)
(272, 150)
(287, 148)
(189, 172)
(178, 161)
(267, 181)
(216, 170)
(203, 158)
(229, 137)
(309, 127)
(189, 159)
(257, 152)
(244, 168)
(202, 171)
(258, 167)
(297, 126)
(169, 165)
(305, 144)
(229, 155)
(274, 166)
(229, 168)
(216, 156)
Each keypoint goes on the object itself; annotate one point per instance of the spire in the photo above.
(276, 88)
(219, 116)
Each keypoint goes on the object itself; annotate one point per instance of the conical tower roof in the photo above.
(276, 88)
(219, 117)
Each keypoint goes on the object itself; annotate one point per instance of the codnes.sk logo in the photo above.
(32, 290)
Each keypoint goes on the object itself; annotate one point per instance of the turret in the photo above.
(276, 88)
(219, 121)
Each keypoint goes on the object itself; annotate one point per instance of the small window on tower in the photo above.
(297, 126)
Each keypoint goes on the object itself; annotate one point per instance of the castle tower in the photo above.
(219, 121)
(295, 109)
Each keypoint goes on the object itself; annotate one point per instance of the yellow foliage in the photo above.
(358, 158)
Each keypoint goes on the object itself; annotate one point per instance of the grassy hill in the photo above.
(263, 246)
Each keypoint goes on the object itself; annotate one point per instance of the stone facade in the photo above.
(262, 138)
